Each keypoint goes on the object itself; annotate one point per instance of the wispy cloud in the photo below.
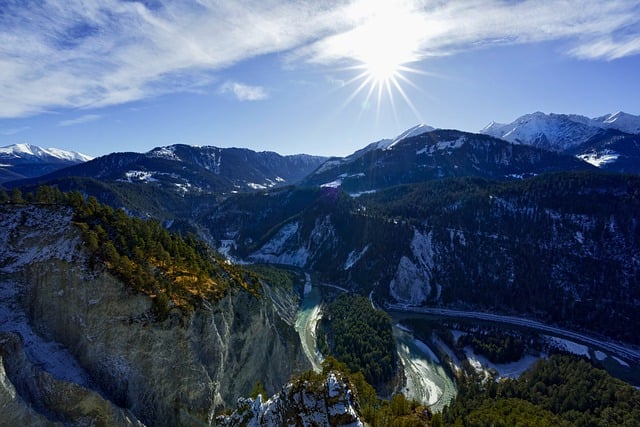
(94, 53)
(244, 92)
(79, 120)
(586, 29)
(14, 131)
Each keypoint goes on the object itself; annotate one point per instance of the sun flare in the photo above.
(383, 45)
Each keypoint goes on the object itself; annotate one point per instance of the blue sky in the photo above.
(326, 78)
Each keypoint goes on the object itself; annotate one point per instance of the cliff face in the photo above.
(32, 396)
(171, 373)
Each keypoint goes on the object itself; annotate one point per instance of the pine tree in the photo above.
(16, 196)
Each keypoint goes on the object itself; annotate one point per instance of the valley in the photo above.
(230, 259)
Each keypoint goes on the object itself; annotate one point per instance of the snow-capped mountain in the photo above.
(19, 161)
(414, 131)
(621, 121)
(29, 152)
(425, 155)
(608, 142)
(560, 132)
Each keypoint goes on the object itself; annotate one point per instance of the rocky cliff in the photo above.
(172, 373)
(304, 402)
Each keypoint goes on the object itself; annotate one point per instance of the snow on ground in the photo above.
(333, 184)
(25, 228)
(504, 370)
(570, 346)
(354, 195)
(48, 355)
(599, 159)
(22, 228)
(140, 176)
(442, 145)
(354, 257)
(600, 355)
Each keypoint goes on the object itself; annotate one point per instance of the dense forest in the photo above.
(175, 271)
(357, 334)
(547, 247)
(561, 391)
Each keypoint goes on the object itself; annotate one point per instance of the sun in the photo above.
(383, 46)
(381, 64)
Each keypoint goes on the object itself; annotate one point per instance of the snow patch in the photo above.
(165, 152)
(277, 251)
(354, 257)
(333, 184)
(414, 131)
(482, 365)
(139, 176)
(599, 159)
(569, 346)
(354, 195)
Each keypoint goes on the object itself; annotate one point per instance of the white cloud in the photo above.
(79, 120)
(93, 53)
(244, 92)
(436, 28)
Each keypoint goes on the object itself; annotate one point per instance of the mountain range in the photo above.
(19, 161)
(610, 142)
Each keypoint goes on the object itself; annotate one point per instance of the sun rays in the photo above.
(383, 45)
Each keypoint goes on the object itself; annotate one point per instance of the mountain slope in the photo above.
(439, 154)
(609, 141)
(21, 161)
(561, 247)
(611, 150)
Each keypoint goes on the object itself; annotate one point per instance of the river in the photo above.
(307, 320)
(427, 381)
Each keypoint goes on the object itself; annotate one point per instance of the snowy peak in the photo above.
(556, 132)
(414, 131)
(621, 121)
(26, 151)
(20, 161)
(560, 132)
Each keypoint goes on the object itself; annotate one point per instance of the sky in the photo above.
(304, 76)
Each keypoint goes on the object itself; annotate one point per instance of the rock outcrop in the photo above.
(172, 373)
(304, 402)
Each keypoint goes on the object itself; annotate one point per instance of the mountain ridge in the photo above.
(23, 161)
